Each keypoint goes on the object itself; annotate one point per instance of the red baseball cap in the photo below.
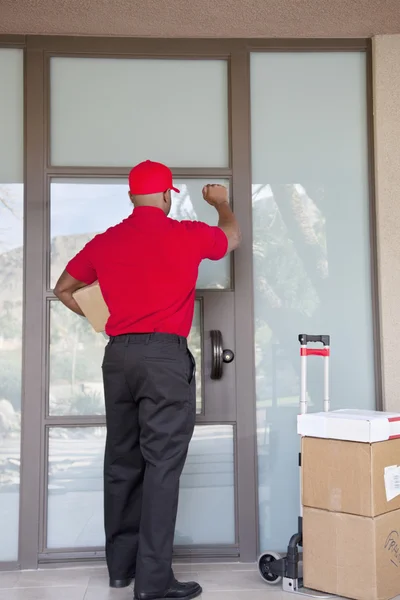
(150, 178)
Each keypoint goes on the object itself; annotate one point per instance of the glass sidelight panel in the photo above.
(80, 208)
(75, 488)
(11, 293)
(76, 355)
(311, 255)
(115, 112)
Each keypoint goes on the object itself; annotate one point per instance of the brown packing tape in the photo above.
(91, 302)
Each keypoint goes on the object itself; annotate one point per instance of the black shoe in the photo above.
(177, 591)
(120, 583)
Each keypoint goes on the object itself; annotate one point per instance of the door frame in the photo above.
(39, 171)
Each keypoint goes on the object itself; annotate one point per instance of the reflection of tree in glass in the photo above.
(11, 278)
(87, 402)
(291, 271)
(290, 279)
(4, 206)
(76, 354)
(182, 208)
(63, 248)
(9, 321)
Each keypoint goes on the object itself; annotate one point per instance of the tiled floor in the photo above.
(219, 582)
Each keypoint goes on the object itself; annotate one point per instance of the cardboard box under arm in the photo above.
(91, 302)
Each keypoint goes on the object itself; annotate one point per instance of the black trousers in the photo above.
(150, 395)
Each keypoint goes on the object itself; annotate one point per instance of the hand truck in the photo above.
(275, 568)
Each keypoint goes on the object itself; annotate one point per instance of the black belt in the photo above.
(147, 338)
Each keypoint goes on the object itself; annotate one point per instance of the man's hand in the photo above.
(215, 194)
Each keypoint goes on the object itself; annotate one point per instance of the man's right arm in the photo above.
(79, 272)
(217, 196)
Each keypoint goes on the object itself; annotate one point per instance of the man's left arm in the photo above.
(79, 273)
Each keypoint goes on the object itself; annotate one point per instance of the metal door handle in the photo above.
(219, 356)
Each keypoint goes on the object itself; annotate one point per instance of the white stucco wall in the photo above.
(386, 61)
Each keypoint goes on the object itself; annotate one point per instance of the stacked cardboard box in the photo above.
(351, 503)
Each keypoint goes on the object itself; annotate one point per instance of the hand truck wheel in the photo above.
(263, 567)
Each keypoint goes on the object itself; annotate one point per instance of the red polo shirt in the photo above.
(147, 268)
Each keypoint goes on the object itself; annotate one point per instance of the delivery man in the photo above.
(147, 269)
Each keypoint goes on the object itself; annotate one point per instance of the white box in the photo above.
(353, 425)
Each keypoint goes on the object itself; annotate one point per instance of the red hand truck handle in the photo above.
(305, 339)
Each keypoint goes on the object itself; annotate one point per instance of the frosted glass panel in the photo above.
(76, 355)
(75, 359)
(311, 255)
(11, 294)
(117, 112)
(80, 208)
(75, 490)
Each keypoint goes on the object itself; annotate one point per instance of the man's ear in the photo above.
(130, 197)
